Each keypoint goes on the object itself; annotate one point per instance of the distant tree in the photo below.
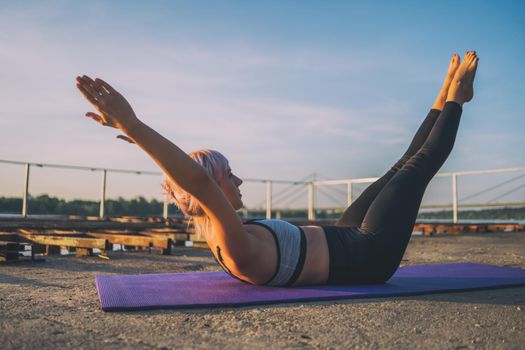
(46, 205)
(140, 206)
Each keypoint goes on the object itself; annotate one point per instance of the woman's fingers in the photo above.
(95, 116)
(100, 87)
(96, 91)
(87, 94)
(88, 80)
(100, 119)
(105, 85)
(88, 88)
(125, 138)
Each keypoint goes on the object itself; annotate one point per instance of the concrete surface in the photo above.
(54, 304)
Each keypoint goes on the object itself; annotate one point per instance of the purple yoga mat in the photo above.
(207, 289)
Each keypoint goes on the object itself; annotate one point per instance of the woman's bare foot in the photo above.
(462, 88)
(442, 96)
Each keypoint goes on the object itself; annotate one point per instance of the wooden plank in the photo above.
(449, 228)
(173, 236)
(67, 241)
(172, 230)
(32, 224)
(132, 240)
(84, 251)
(200, 244)
(507, 227)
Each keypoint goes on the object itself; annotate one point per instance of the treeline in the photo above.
(46, 205)
(482, 214)
(510, 214)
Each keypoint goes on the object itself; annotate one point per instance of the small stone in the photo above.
(417, 330)
(519, 308)
(477, 325)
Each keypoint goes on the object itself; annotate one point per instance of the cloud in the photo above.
(178, 88)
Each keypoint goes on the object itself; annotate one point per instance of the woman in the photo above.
(365, 246)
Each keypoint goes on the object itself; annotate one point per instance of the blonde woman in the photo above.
(365, 246)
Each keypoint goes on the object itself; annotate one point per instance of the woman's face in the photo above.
(230, 187)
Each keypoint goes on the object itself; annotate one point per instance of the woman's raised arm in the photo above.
(116, 112)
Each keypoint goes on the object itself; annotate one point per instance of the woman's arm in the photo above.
(116, 112)
(192, 177)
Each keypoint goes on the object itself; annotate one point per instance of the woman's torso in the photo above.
(316, 260)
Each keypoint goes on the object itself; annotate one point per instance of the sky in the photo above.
(284, 89)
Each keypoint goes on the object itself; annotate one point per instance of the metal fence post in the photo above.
(103, 194)
(26, 191)
(454, 198)
(311, 201)
(165, 208)
(349, 193)
(268, 199)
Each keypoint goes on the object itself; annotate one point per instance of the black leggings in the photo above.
(368, 242)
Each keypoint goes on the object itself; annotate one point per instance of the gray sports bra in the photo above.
(291, 251)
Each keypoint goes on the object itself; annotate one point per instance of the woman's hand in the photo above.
(114, 110)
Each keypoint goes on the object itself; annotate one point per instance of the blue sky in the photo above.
(282, 88)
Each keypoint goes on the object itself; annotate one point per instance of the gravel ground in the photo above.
(54, 304)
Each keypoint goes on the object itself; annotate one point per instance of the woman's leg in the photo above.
(388, 223)
(355, 213)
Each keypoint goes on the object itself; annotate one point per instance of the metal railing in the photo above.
(269, 201)
(454, 190)
(104, 172)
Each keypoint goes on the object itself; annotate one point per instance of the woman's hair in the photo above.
(216, 165)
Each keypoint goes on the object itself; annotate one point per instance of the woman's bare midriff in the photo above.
(315, 269)
(316, 264)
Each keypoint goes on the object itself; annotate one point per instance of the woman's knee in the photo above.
(423, 165)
